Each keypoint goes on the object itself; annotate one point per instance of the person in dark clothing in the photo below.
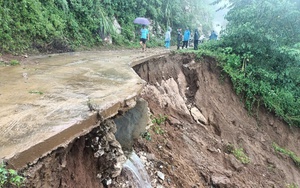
(179, 38)
(196, 39)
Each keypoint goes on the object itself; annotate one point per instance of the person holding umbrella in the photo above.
(144, 37)
(144, 31)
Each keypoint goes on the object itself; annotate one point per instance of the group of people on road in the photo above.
(185, 38)
(197, 38)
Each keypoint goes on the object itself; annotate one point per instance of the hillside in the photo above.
(209, 129)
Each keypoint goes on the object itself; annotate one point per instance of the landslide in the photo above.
(206, 122)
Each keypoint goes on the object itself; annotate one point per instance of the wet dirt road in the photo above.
(49, 100)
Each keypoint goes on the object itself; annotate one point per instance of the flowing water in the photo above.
(136, 173)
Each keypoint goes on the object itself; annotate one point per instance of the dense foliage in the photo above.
(62, 25)
(261, 51)
(10, 177)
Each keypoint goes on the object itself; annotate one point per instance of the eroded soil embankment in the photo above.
(89, 161)
(205, 119)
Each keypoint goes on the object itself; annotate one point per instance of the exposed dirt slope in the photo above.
(198, 153)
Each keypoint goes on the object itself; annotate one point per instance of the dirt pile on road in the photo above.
(209, 138)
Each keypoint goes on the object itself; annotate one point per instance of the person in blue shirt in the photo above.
(144, 37)
(168, 38)
(213, 36)
(186, 38)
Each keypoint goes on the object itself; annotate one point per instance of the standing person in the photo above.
(179, 38)
(186, 37)
(168, 38)
(144, 36)
(196, 39)
(213, 36)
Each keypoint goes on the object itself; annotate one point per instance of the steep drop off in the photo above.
(207, 121)
(193, 148)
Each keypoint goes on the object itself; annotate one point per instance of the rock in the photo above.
(108, 181)
(169, 145)
(150, 156)
(221, 181)
(160, 175)
(121, 159)
(116, 144)
(212, 149)
(99, 153)
(159, 186)
(235, 163)
(143, 159)
(198, 116)
(117, 26)
(110, 137)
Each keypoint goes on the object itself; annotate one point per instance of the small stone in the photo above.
(108, 182)
(99, 153)
(116, 144)
(221, 181)
(110, 137)
(159, 186)
(160, 175)
(151, 156)
(169, 181)
(169, 146)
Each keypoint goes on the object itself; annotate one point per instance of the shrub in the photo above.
(9, 177)
(238, 153)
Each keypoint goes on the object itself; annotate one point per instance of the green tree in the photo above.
(266, 37)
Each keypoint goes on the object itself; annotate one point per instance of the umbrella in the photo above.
(142, 21)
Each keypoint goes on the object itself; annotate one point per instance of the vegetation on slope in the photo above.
(260, 50)
(62, 25)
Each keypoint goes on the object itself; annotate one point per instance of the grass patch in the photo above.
(146, 135)
(158, 130)
(238, 153)
(289, 153)
(14, 62)
(160, 119)
(292, 185)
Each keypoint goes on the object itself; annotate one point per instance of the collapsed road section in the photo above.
(48, 102)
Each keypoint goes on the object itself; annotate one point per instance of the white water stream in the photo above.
(136, 172)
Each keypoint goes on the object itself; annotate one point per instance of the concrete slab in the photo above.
(49, 100)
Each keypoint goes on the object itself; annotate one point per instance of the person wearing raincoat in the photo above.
(168, 38)
(186, 38)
